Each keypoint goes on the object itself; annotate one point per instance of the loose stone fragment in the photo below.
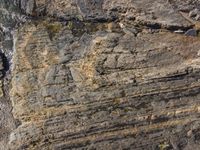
(191, 32)
(193, 13)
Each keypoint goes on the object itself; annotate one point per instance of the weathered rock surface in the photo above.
(100, 74)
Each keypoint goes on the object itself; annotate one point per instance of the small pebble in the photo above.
(193, 13)
(191, 32)
(189, 133)
(197, 17)
(179, 31)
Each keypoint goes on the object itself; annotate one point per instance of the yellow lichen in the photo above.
(163, 146)
(70, 25)
(52, 28)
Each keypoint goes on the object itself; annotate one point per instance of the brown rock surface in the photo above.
(115, 91)
(99, 74)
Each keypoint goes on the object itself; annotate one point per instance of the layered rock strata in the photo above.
(100, 74)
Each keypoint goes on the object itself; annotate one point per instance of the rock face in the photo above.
(99, 74)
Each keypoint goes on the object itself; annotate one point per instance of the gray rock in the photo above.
(193, 13)
(197, 17)
(191, 32)
(128, 88)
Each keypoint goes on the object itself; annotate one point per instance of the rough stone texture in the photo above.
(9, 16)
(99, 74)
(114, 90)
